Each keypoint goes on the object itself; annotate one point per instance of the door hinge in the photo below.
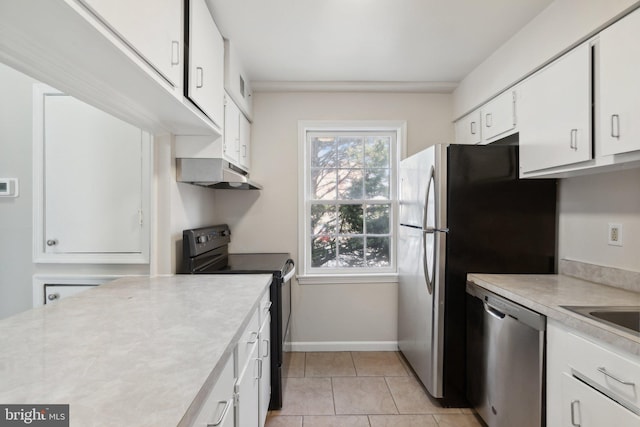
(236, 399)
(140, 217)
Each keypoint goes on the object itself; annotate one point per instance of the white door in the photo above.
(244, 153)
(92, 180)
(619, 68)
(231, 148)
(206, 62)
(153, 28)
(585, 407)
(468, 129)
(248, 391)
(499, 117)
(555, 113)
(265, 369)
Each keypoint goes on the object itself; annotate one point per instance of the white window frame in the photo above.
(309, 275)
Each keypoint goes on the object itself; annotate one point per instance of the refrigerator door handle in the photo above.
(425, 214)
(428, 278)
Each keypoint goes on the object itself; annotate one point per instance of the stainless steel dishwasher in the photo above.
(505, 360)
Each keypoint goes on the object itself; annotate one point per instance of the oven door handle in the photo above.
(290, 274)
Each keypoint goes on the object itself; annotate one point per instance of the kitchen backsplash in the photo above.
(624, 279)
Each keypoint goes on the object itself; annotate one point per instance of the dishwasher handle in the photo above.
(493, 311)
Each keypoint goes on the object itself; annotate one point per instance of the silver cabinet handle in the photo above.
(259, 361)
(488, 120)
(199, 77)
(473, 128)
(575, 404)
(616, 378)
(573, 140)
(615, 126)
(53, 297)
(268, 346)
(52, 242)
(227, 405)
(175, 52)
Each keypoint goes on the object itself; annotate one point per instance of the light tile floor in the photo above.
(359, 389)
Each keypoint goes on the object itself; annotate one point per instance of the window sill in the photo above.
(334, 279)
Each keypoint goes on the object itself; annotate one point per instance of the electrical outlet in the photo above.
(615, 235)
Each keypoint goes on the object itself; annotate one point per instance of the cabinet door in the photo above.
(218, 407)
(153, 28)
(92, 182)
(554, 107)
(244, 154)
(248, 391)
(499, 117)
(231, 148)
(206, 62)
(619, 100)
(585, 407)
(53, 293)
(468, 129)
(265, 378)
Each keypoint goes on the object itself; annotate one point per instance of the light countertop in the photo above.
(547, 293)
(135, 351)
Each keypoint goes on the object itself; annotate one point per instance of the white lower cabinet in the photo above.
(218, 408)
(585, 407)
(253, 368)
(589, 382)
(265, 372)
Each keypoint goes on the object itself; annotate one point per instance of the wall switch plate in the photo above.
(615, 234)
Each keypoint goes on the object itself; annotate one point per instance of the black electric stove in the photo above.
(205, 251)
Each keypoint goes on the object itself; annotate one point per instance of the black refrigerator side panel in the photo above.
(497, 224)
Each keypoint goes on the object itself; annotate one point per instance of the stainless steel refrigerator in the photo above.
(462, 210)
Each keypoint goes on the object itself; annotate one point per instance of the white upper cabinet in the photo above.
(468, 129)
(235, 80)
(231, 147)
(153, 28)
(554, 110)
(206, 62)
(619, 86)
(92, 184)
(499, 117)
(244, 153)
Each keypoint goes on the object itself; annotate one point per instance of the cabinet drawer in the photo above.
(248, 341)
(614, 373)
(585, 407)
(218, 408)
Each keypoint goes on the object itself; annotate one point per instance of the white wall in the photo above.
(560, 25)
(15, 214)
(267, 220)
(587, 205)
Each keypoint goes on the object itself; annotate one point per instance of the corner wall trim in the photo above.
(341, 346)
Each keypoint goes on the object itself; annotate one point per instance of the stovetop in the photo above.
(255, 263)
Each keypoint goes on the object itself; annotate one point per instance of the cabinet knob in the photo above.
(52, 242)
(53, 297)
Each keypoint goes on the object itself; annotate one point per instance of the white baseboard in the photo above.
(341, 346)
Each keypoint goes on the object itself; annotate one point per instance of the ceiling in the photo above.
(368, 40)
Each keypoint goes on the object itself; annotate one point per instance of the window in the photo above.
(348, 198)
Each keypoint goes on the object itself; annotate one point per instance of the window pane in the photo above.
(351, 219)
(378, 252)
(350, 185)
(350, 151)
(351, 252)
(376, 151)
(377, 184)
(378, 219)
(323, 152)
(323, 252)
(323, 219)
(324, 184)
